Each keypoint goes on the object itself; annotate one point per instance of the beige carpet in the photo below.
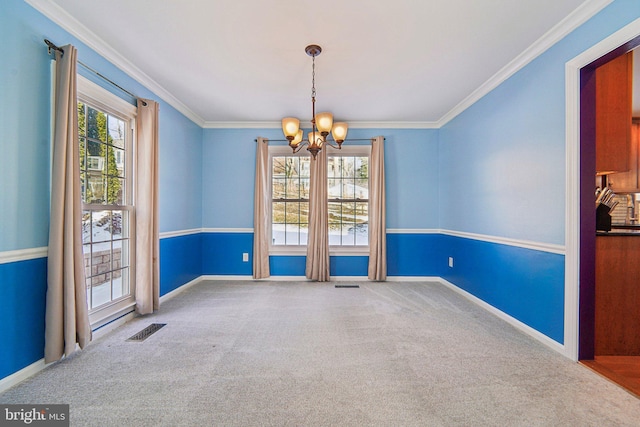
(308, 354)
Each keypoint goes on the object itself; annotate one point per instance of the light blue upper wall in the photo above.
(411, 167)
(180, 171)
(502, 161)
(25, 112)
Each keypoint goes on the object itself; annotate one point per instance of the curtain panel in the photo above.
(66, 312)
(261, 208)
(147, 235)
(377, 213)
(317, 267)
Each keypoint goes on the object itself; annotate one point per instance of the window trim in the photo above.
(99, 97)
(301, 250)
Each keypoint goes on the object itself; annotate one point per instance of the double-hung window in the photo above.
(105, 127)
(347, 197)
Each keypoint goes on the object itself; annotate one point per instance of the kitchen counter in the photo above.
(618, 233)
(621, 230)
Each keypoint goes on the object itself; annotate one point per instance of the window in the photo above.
(348, 189)
(348, 197)
(105, 126)
(290, 200)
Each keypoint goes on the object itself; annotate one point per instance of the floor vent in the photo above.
(347, 286)
(146, 332)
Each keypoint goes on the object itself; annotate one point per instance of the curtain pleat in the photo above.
(261, 207)
(66, 312)
(147, 236)
(317, 267)
(377, 213)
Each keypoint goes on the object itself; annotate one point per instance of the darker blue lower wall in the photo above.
(414, 255)
(222, 253)
(180, 261)
(23, 289)
(523, 283)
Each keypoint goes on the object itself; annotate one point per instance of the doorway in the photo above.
(581, 236)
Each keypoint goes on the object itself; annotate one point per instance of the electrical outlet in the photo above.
(245, 257)
(451, 261)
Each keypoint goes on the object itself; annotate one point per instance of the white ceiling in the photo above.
(383, 61)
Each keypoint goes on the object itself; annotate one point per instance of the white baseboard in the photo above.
(554, 345)
(180, 289)
(21, 375)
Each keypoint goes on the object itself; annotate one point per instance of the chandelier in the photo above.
(321, 123)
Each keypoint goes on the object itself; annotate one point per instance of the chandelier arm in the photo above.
(299, 147)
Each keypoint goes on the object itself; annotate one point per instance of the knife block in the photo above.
(603, 219)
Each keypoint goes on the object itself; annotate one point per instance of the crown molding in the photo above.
(551, 37)
(81, 32)
(578, 17)
(307, 125)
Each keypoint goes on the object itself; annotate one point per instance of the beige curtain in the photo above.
(261, 207)
(66, 313)
(318, 243)
(377, 213)
(147, 237)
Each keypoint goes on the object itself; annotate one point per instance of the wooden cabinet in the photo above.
(617, 318)
(628, 182)
(613, 114)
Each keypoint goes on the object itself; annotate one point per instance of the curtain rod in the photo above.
(346, 140)
(51, 46)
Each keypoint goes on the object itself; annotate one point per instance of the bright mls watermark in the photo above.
(34, 415)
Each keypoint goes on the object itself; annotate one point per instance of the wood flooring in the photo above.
(623, 370)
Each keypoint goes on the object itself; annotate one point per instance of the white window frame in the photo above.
(96, 96)
(298, 250)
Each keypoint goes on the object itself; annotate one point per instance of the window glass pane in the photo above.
(304, 188)
(348, 189)
(120, 254)
(116, 132)
(101, 229)
(334, 167)
(335, 212)
(277, 214)
(278, 188)
(94, 148)
(293, 213)
(118, 160)
(119, 287)
(277, 234)
(304, 233)
(335, 236)
(86, 227)
(348, 167)
(334, 188)
(83, 187)
(293, 189)
(96, 124)
(86, 251)
(83, 154)
(82, 126)
(362, 167)
(278, 167)
(305, 166)
(100, 289)
(361, 190)
(304, 212)
(114, 187)
(362, 233)
(292, 234)
(116, 225)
